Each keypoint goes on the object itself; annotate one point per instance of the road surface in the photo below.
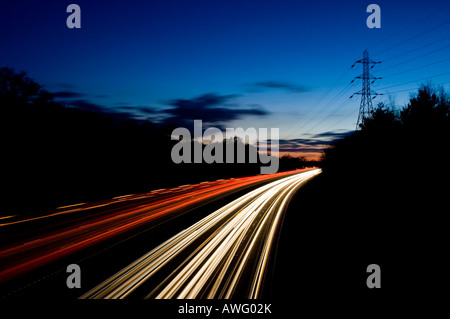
(220, 256)
(29, 243)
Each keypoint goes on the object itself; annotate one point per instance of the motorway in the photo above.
(32, 242)
(224, 255)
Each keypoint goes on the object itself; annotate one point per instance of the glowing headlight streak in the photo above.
(219, 248)
(111, 218)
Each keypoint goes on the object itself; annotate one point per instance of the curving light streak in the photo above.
(104, 220)
(228, 249)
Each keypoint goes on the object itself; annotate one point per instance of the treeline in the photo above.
(397, 159)
(412, 138)
(383, 196)
(53, 155)
(397, 148)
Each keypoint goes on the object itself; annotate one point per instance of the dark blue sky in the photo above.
(252, 63)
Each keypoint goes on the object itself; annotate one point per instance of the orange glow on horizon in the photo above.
(309, 156)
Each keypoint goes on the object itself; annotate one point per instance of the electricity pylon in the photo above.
(365, 108)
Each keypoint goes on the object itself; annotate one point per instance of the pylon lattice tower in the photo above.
(365, 108)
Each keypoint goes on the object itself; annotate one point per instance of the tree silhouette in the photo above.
(384, 193)
(19, 89)
(381, 120)
(55, 155)
(428, 110)
(421, 128)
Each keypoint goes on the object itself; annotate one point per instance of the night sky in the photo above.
(284, 64)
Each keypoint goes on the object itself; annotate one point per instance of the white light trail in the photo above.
(218, 253)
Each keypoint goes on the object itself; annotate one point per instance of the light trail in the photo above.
(222, 253)
(87, 224)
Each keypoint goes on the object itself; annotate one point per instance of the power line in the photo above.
(415, 36)
(342, 119)
(415, 49)
(415, 88)
(422, 79)
(345, 89)
(420, 56)
(318, 101)
(415, 68)
(342, 92)
(413, 24)
(407, 52)
(329, 115)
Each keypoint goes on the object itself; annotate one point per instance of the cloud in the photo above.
(68, 95)
(65, 85)
(315, 144)
(118, 112)
(138, 110)
(332, 135)
(301, 146)
(101, 96)
(293, 88)
(301, 141)
(301, 150)
(86, 105)
(212, 108)
(113, 113)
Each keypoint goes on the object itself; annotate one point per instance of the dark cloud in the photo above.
(117, 112)
(133, 109)
(302, 149)
(85, 105)
(315, 144)
(68, 95)
(211, 108)
(301, 141)
(65, 85)
(332, 135)
(120, 111)
(301, 145)
(293, 88)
